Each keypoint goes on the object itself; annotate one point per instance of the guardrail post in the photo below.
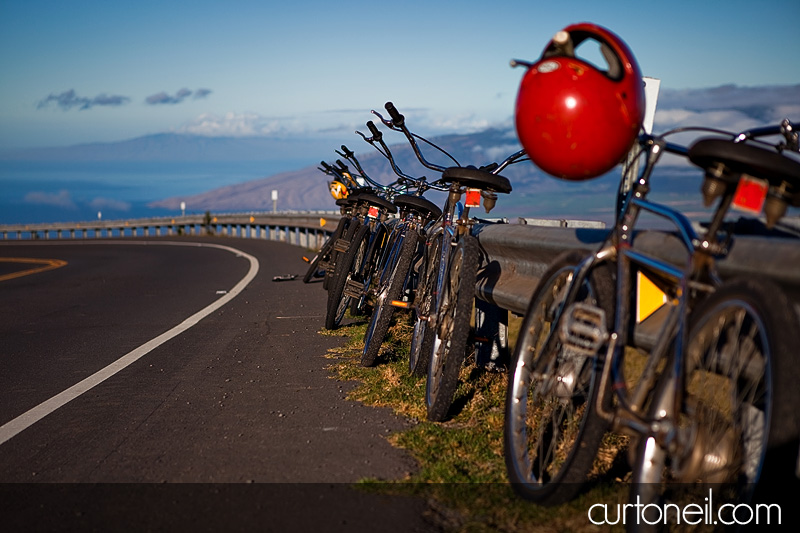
(491, 335)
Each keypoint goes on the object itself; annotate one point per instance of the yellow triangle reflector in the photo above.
(648, 297)
(322, 222)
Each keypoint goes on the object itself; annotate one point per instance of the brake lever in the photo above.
(791, 135)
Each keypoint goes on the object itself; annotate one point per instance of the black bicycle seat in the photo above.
(417, 203)
(372, 199)
(476, 178)
(749, 159)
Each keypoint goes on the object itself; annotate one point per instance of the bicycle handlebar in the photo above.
(397, 123)
(404, 180)
(397, 119)
(786, 128)
(412, 137)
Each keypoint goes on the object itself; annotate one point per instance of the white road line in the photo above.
(27, 419)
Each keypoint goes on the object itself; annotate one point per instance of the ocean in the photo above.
(48, 191)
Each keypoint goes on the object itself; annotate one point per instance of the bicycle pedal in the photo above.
(353, 288)
(583, 328)
(341, 245)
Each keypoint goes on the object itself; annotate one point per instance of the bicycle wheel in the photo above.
(313, 265)
(424, 304)
(551, 430)
(380, 244)
(452, 328)
(325, 252)
(340, 247)
(390, 290)
(347, 268)
(738, 416)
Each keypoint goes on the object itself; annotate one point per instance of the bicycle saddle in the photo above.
(740, 158)
(417, 203)
(377, 201)
(476, 178)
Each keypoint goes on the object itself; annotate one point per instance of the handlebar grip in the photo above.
(397, 118)
(347, 152)
(342, 165)
(325, 165)
(376, 133)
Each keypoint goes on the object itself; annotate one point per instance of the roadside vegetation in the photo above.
(461, 467)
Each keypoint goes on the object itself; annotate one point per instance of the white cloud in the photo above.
(108, 203)
(331, 122)
(240, 125)
(729, 120)
(61, 199)
(497, 153)
(456, 123)
(791, 111)
(728, 107)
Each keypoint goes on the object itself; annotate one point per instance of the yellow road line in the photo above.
(47, 264)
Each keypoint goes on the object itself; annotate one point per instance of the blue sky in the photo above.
(88, 71)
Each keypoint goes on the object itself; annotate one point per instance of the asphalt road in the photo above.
(239, 405)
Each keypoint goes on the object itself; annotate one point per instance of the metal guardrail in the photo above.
(516, 256)
(308, 229)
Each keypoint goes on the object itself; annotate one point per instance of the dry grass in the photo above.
(461, 465)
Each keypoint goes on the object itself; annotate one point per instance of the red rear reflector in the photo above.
(750, 194)
(373, 212)
(473, 198)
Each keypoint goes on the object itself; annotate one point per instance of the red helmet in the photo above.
(575, 120)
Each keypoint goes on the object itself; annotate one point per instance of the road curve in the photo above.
(241, 395)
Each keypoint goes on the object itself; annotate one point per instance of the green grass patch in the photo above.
(461, 466)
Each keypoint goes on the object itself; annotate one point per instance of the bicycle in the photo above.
(340, 191)
(717, 387)
(446, 293)
(396, 282)
(353, 279)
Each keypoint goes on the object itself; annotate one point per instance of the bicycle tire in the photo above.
(741, 388)
(346, 268)
(424, 305)
(551, 436)
(380, 242)
(388, 292)
(453, 314)
(324, 252)
(312, 265)
(353, 224)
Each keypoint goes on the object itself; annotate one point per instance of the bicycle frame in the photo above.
(697, 274)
